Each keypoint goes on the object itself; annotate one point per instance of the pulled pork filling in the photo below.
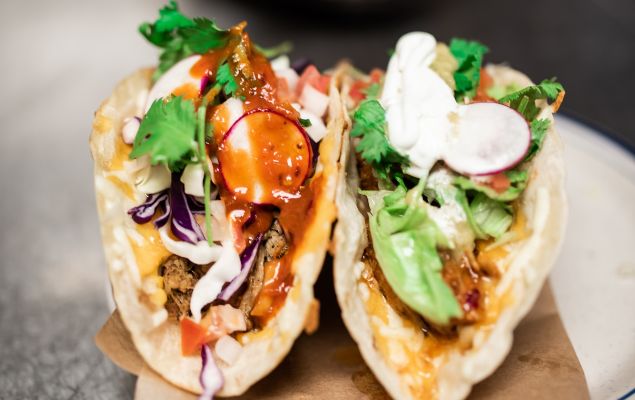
(180, 276)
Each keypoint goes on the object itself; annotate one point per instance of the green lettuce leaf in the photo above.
(486, 216)
(405, 241)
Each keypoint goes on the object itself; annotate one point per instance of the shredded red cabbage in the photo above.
(247, 260)
(183, 223)
(143, 213)
(211, 377)
(300, 65)
(178, 208)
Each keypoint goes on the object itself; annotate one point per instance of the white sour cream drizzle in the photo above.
(226, 268)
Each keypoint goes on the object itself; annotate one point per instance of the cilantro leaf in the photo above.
(469, 55)
(180, 36)
(204, 36)
(162, 31)
(539, 128)
(275, 51)
(225, 79)
(167, 133)
(305, 122)
(369, 123)
(524, 100)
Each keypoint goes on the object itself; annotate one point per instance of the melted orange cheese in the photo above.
(151, 252)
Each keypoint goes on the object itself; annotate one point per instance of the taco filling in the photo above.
(225, 159)
(443, 158)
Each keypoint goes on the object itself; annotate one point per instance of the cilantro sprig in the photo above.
(469, 55)
(225, 80)
(369, 123)
(180, 36)
(524, 100)
(167, 133)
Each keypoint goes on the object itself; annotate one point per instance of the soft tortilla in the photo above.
(158, 340)
(388, 343)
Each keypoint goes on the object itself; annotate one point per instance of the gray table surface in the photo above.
(60, 59)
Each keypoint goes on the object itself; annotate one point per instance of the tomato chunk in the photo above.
(192, 336)
(311, 76)
(500, 182)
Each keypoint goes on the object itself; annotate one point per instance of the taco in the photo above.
(451, 212)
(215, 178)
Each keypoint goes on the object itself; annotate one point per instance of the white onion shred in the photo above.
(211, 377)
(281, 62)
(228, 349)
(153, 179)
(290, 76)
(130, 129)
(317, 130)
(226, 268)
(192, 179)
(200, 253)
(314, 101)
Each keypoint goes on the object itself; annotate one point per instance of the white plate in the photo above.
(594, 278)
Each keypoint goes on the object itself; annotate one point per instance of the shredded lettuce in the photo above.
(500, 91)
(405, 241)
(486, 216)
(517, 179)
(493, 217)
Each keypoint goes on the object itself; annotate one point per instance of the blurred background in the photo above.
(61, 58)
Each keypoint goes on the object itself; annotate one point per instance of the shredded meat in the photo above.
(274, 247)
(463, 279)
(275, 242)
(179, 277)
(367, 178)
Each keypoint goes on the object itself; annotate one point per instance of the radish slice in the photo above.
(177, 77)
(264, 157)
(488, 138)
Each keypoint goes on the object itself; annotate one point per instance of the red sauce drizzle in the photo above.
(258, 86)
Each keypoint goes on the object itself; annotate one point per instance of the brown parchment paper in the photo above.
(542, 363)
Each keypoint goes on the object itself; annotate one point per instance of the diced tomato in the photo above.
(500, 182)
(192, 336)
(376, 75)
(323, 84)
(283, 90)
(356, 92)
(485, 82)
(312, 76)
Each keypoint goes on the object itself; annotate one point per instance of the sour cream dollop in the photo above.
(427, 124)
(417, 102)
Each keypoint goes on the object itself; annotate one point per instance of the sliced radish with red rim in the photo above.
(265, 157)
(487, 138)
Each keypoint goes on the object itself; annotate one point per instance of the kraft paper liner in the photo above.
(542, 363)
